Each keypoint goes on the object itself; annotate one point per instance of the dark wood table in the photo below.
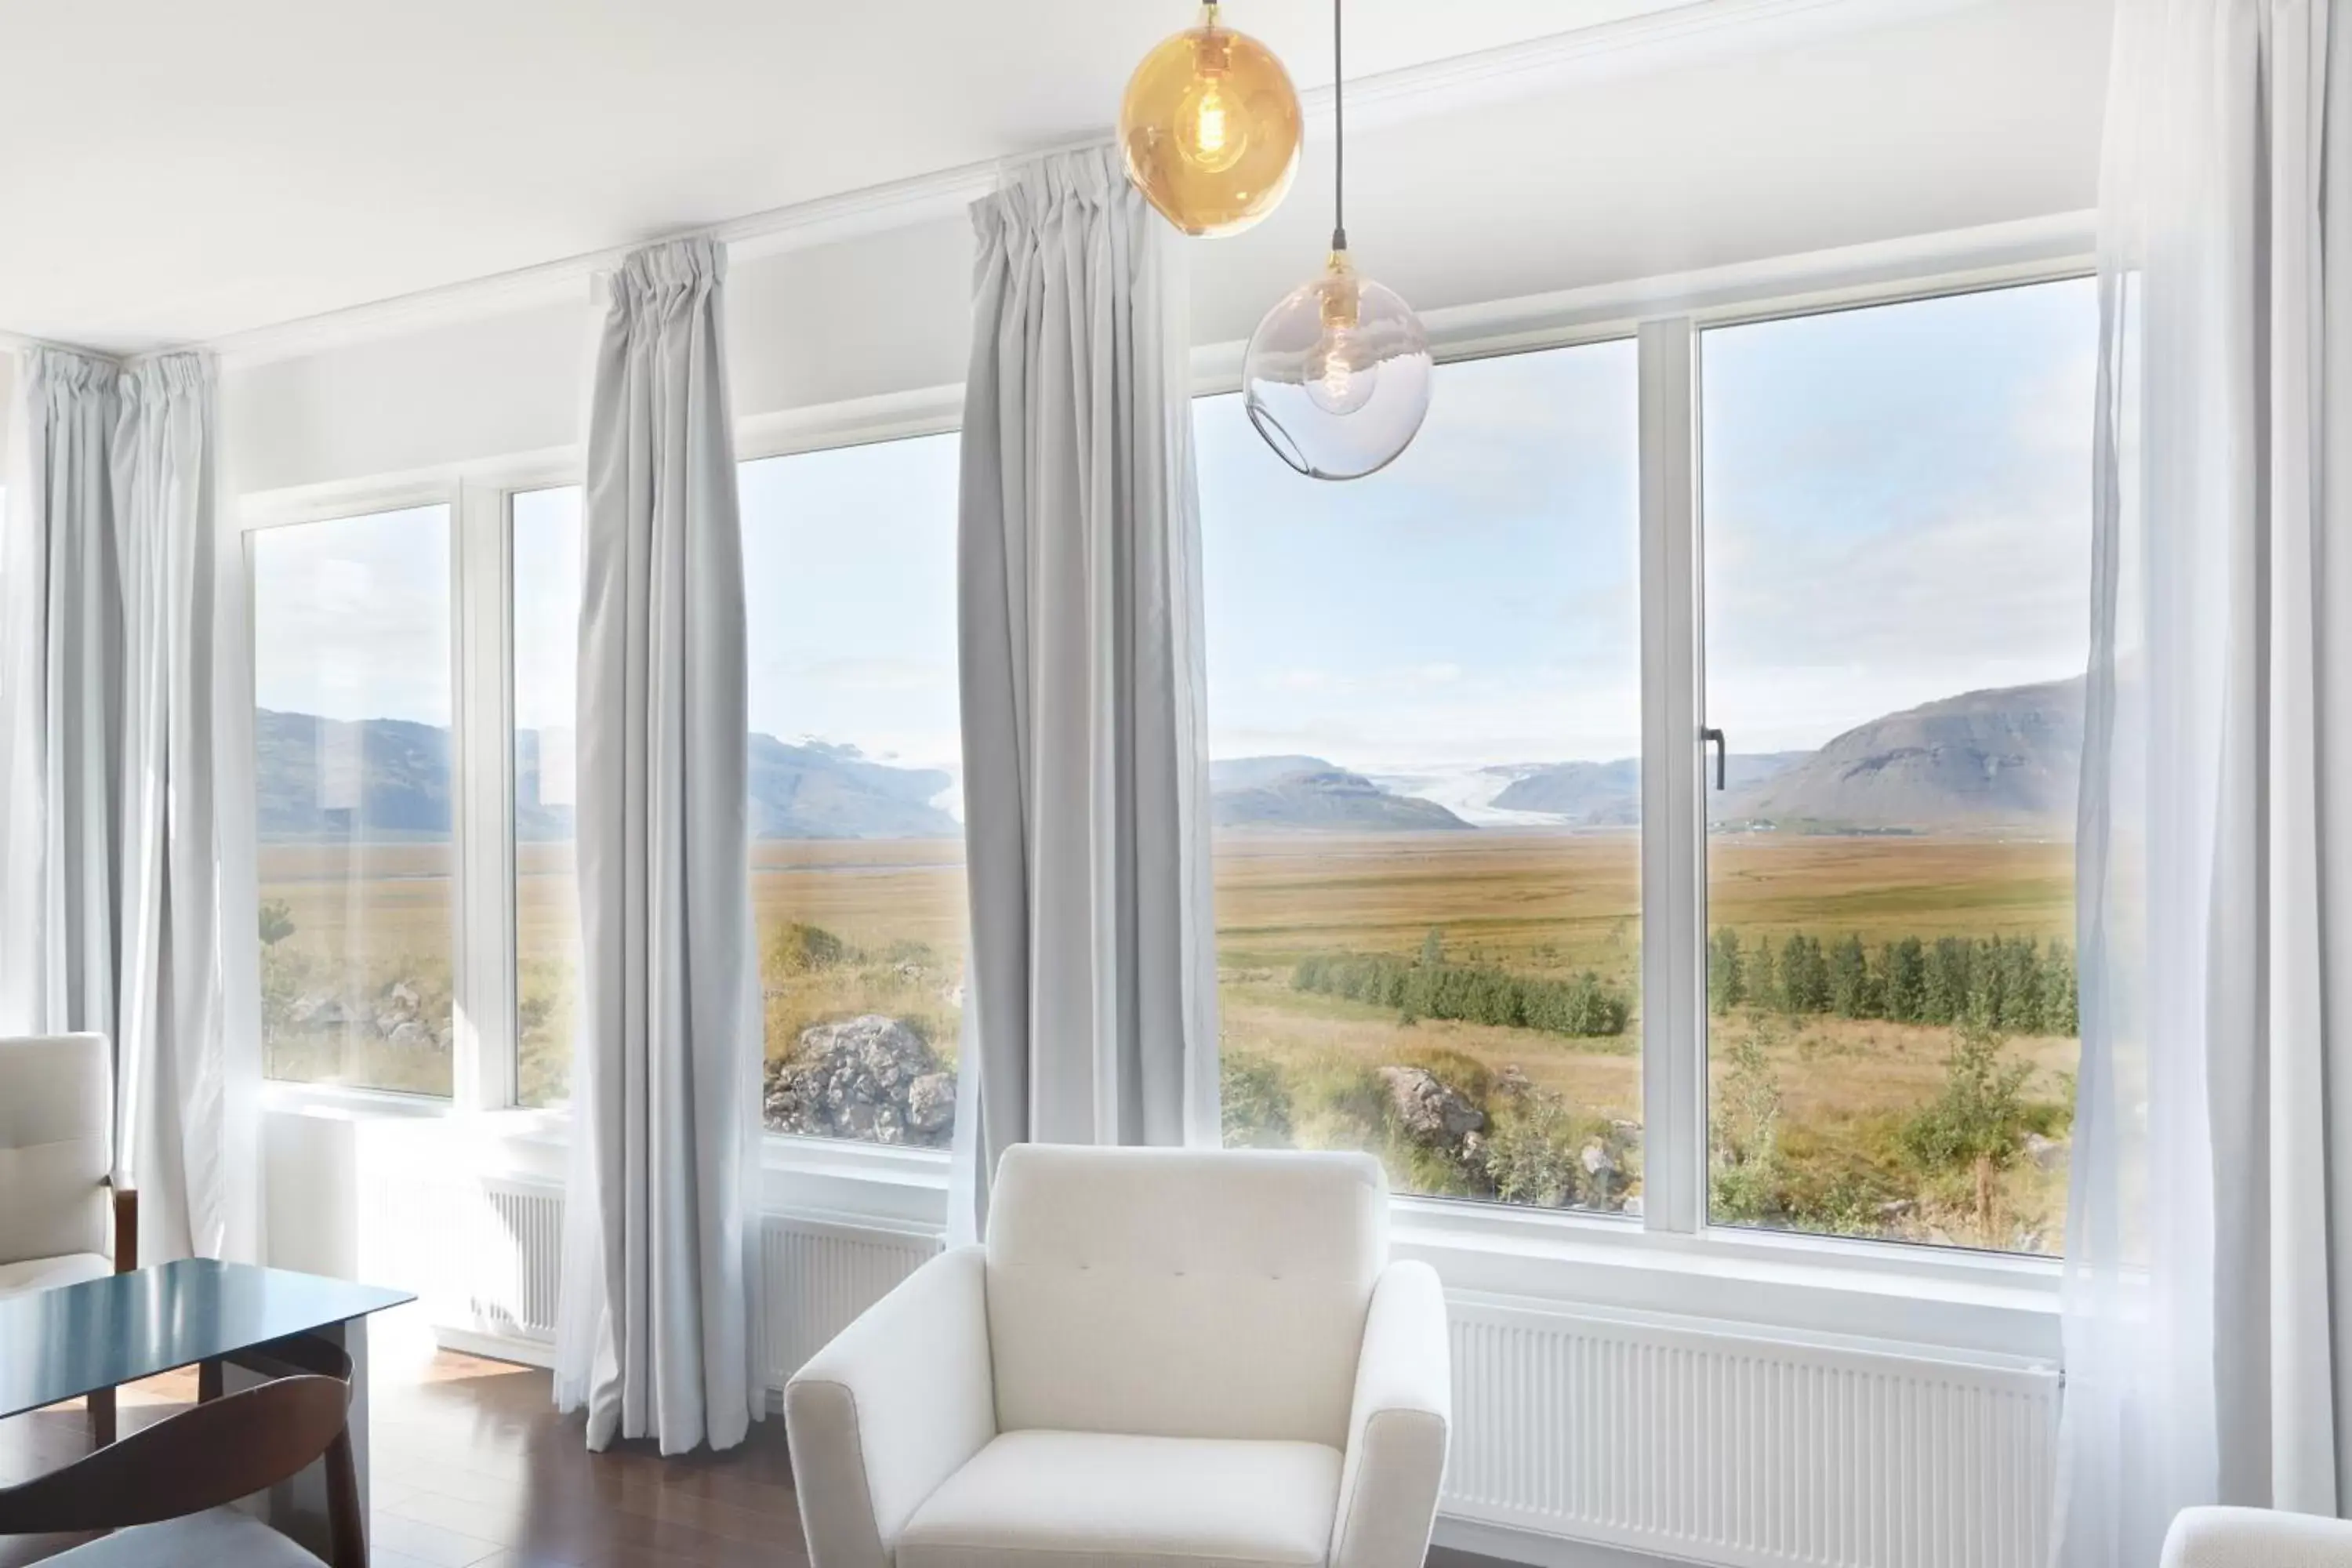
(73, 1340)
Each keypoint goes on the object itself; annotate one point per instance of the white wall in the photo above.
(1977, 114)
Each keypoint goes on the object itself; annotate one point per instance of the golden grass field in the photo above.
(1548, 903)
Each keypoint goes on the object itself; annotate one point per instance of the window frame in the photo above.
(342, 502)
(1521, 1249)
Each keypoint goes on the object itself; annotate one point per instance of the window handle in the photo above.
(1714, 738)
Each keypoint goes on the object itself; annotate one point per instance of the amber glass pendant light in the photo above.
(1211, 127)
(1338, 374)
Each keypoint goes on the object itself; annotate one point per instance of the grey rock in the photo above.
(1427, 1110)
(2048, 1154)
(409, 1035)
(870, 1077)
(930, 1102)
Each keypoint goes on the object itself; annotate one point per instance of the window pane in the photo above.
(546, 542)
(1898, 506)
(351, 673)
(856, 766)
(1425, 715)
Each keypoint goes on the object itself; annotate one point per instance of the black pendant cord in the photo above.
(1339, 139)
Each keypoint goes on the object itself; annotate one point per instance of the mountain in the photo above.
(1249, 773)
(1609, 795)
(2005, 756)
(314, 777)
(1592, 795)
(817, 791)
(387, 778)
(1308, 793)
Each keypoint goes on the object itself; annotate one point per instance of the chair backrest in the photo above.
(57, 1144)
(206, 1455)
(1169, 1292)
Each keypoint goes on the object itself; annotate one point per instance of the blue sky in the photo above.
(1897, 504)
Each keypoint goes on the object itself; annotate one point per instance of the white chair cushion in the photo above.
(57, 1115)
(48, 1273)
(1173, 1293)
(1058, 1498)
(217, 1538)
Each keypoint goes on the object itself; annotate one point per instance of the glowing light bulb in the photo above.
(1337, 381)
(1209, 134)
(1342, 372)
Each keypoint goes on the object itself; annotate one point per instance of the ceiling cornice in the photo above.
(1681, 34)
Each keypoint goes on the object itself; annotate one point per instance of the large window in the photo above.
(856, 760)
(544, 541)
(351, 762)
(1897, 547)
(1425, 715)
(1481, 908)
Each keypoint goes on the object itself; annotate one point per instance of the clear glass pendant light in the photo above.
(1338, 374)
(1210, 128)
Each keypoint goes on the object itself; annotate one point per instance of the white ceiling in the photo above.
(171, 172)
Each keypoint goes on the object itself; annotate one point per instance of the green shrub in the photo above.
(796, 949)
(1980, 1115)
(1256, 1101)
(1744, 1135)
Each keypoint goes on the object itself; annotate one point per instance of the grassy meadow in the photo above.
(1822, 1121)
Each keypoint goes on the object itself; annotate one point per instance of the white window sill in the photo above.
(1902, 1295)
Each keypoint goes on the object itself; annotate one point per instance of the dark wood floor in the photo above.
(473, 1468)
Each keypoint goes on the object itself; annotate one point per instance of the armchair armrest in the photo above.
(126, 1225)
(896, 1404)
(1398, 1428)
(2256, 1538)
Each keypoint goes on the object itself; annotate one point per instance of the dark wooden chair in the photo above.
(165, 1490)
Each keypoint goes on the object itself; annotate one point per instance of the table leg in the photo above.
(297, 1507)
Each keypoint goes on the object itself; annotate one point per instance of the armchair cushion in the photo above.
(48, 1273)
(56, 1141)
(1114, 1501)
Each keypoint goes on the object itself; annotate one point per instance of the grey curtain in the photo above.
(655, 1332)
(1091, 1008)
(112, 863)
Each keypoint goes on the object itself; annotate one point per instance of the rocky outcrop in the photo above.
(869, 1077)
(1428, 1110)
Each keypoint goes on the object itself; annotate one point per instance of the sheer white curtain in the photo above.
(112, 871)
(655, 1334)
(1092, 1013)
(174, 939)
(2209, 1296)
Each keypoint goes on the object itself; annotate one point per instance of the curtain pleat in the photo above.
(1092, 1017)
(655, 1335)
(110, 856)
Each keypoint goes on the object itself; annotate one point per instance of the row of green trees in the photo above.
(2011, 983)
(1431, 988)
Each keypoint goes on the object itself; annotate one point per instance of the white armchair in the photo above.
(2256, 1538)
(63, 1219)
(1158, 1356)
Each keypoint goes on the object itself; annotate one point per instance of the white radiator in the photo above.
(518, 1246)
(821, 1274)
(487, 1258)
(1710, 1442)
(1699, 1440)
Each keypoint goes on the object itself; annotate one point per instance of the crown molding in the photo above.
(1681, 34)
